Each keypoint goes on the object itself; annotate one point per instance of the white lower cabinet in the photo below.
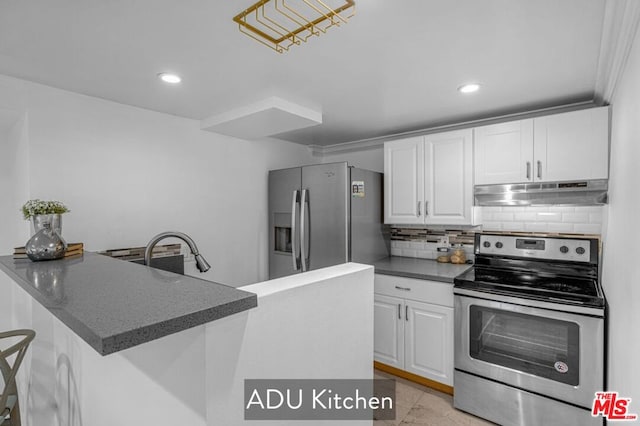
(388, 342)
(413, 326)
(429, 341)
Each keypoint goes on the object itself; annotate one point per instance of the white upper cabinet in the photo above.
(503, 152)
(572, 145)
(448, 178)
(429, 179)
(560, 147)
(404, 180)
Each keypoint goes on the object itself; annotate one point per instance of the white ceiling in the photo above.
(395, 67)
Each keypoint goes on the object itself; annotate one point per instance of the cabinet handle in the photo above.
(399, 311)
(419, 213)
(406, 312)
(539, 169)
(403, 288)
(528, 170)
(426, 208)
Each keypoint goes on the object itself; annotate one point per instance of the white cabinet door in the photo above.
(448, 178)
(503, 153)
(429, 341)
(388, 326)
(403, 181)
(572, 145)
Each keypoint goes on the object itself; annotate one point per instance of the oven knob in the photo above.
(499, 245)
(487, 244)
(564, 249)
(580, 250)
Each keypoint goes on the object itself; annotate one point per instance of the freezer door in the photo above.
(325, 222)
(284, 217)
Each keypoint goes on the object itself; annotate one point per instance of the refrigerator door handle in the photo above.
(303, 242)
(294, 249)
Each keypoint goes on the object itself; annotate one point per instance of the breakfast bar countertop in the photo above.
(114, 305)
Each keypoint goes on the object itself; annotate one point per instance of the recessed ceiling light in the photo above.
(469, 88)
(169, 78)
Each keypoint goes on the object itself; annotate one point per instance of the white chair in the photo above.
(9, 407)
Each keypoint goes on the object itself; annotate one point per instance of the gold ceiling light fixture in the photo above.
(280, 24)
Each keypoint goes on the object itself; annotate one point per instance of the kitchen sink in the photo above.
(173, 264)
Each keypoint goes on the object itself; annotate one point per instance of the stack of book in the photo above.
(73, 249)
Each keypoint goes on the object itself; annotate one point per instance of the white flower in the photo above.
(36, 207)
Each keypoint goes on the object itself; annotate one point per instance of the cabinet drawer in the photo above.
(434, 292)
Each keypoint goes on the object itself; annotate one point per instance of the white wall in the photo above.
(368, 159)
(7, 178)
(621, 274)
(318, 325)
(127, 174)
(14, 183)
(14, 180)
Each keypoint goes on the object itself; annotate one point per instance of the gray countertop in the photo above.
(114, 305)
(424, 269)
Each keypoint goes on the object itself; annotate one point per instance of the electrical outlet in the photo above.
(444, 240)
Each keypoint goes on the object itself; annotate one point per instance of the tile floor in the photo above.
(419, 405)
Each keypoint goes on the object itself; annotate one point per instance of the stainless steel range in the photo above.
(529, 331)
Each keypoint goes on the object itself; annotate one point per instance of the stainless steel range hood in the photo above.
(576, 193)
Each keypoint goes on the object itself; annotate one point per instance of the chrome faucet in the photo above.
(201, 263)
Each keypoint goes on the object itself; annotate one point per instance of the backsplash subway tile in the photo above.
(552, 219)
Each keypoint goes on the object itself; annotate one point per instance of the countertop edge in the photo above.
(421, 269)
(122, 341)
(416, 276)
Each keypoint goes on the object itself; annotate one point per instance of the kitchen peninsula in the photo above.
(168, 349)
(114, 305)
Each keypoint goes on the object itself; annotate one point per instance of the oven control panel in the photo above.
(574, 250)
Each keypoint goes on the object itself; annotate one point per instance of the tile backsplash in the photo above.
(422, 242)
(552, 219)
(136, 253)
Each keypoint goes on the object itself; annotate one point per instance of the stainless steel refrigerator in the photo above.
(323, 215)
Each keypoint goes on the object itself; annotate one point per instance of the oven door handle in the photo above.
(523, 304)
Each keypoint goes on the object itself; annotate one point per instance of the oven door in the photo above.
(552, 353)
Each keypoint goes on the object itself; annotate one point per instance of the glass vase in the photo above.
(41, 220)
(47, 242)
